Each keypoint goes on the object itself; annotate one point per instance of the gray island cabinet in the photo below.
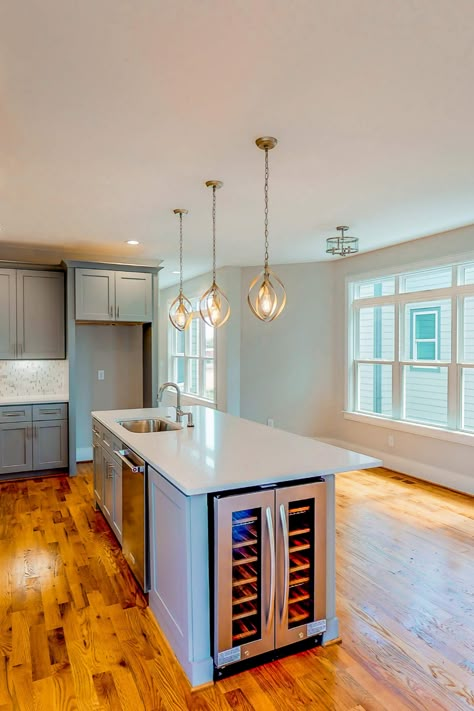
(225, 498)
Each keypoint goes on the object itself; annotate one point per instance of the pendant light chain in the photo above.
(214, 234)
(266, 209)
(180, 253)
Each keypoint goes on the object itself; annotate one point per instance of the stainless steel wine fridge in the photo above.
(269, 570)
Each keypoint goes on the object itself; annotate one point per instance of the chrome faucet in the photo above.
(179, 411)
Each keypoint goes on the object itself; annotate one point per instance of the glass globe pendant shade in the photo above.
(267, 296)
(181, 312)
(214, 307)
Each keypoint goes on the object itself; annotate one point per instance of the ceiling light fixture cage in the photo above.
(267, 295)
(342, 245)
(181, 309)
(214, 306)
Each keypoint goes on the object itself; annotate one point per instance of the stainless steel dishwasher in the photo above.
(135, 515)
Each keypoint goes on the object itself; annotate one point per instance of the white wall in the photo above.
(287, 365)
(436, 460)
(227, 341)
(118, 351)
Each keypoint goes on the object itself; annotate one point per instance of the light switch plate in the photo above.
(100, 375)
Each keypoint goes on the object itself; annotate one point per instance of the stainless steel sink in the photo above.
(152, 424)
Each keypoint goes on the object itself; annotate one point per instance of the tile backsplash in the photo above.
(19, 378)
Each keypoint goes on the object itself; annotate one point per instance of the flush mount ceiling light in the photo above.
(214, 306)
(132, 241)
(181, 308)
(342, 244)
(267, 295)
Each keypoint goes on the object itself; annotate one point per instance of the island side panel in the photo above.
(332, 630)
(179, 567)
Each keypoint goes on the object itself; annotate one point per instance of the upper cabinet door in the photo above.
(95, 295)
(40, 314)
(7, 314)
(133, 296)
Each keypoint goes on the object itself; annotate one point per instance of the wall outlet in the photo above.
(391, 441)
(270, 422)
(100, 375)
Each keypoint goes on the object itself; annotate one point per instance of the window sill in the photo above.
(412, 428)
(189, 399)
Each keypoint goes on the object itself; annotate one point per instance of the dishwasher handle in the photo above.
(136, 468)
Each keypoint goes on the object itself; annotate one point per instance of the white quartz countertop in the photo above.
(32, 399)
(225, 452)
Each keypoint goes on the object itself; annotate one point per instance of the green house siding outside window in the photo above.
(425, 336)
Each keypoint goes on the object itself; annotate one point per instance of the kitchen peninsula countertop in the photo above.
(226, 452)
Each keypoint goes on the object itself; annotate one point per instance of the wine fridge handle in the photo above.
(271, 540)
(286, 548)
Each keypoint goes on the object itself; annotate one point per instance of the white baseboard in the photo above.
(435, 475)
(84, 454)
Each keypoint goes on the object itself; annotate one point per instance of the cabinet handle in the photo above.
(111, 312)
(35, 428)
(286, 553)
(118, 311)
(109, 475)
(12, 414)
(20, 348)
(271, 541)
(49, 412)
(106, 443)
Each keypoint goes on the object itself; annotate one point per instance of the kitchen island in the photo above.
(191, 472)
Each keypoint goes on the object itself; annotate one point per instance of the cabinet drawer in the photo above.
(53, 411)
(97, 430)
(15, 413)
(110, 443)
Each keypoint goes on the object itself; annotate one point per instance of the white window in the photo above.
(192, 362)
(411, 347)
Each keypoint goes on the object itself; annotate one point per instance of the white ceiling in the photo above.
(113, 112)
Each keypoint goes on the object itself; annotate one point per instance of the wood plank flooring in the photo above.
(75, 632)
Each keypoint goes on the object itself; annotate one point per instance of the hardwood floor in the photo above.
(75, 632)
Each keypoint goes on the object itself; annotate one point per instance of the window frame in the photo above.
(188, 358)
(457, 366)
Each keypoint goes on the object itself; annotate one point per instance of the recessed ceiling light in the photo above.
(132, 241)
(175, 272)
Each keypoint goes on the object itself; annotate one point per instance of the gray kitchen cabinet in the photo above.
(95, 294)
(33, 437)
(98, 473)
(179, 555)
(108, 498)
(7, 314)
(107, 477)
(133, 296)
(40, 314)
(32, 317)
(106, 295)
(16, 447)
(50, 444)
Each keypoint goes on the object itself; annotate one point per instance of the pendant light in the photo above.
(181, 308)
(214, 306)
(267, 296)
(342, 244)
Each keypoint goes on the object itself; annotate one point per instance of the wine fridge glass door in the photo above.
(244, 593)
(301, 562)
